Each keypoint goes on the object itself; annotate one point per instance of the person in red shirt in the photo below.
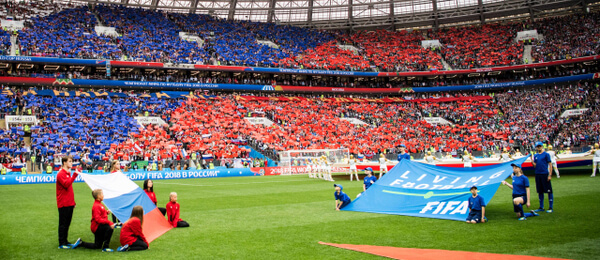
(65, 200)
(101, 226)
(132, 237)
(115, 166)
(173, 212)
(149, 189)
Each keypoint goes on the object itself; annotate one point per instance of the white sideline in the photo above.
(224, 184)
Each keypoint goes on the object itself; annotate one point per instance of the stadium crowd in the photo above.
(67, 34)
(480, 46)
(4, 42)
(213, 127)
(567, 37)
(154, 36)
(148, 35)
(535, 114)
(25, 10)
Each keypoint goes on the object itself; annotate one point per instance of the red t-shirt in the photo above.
(131, 231)
(64, 188)
(152, 196)
(99, 216)
(173, 213)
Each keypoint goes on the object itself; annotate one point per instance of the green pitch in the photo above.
(283, 217)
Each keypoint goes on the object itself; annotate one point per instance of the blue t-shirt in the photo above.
(541, 163)
(520, 183)
(476, 203)
(403, 156)
(341, 197)
(368, 180)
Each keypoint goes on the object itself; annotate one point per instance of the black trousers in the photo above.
(114, 219)
(138, 245)
(102, 238)
(163, 211)
(182, 224)
(65, 214)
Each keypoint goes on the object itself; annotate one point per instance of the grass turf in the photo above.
(283, 217)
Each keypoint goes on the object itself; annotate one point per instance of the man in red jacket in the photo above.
(65, 200)
(101, 226)
(173, 212)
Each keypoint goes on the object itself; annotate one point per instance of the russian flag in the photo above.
(18, 165)
(137, 147)
(121, 195)
(207, 156)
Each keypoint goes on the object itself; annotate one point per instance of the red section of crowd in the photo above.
(209, 125)
(384, 50)
(480, 46)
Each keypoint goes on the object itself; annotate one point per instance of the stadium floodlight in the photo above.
(302, 161)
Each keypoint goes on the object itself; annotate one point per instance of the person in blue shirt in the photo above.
(369, 179)
(403, 154)
(542, 163)
(476, 208)
(341, 198)
(520, 194)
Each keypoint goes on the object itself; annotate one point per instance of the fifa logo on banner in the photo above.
(446, 207)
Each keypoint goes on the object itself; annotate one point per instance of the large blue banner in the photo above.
(166, 85)
(135, 175)
(512, 84)
(313, 72)
(423, 190)
(182, 85)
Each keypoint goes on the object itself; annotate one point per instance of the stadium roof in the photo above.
(364, 14)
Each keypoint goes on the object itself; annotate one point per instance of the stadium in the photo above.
(249, 114)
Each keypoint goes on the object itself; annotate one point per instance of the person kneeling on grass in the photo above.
(173, 212)
(521, 194)
(341, 198)
(476, 208)
(101, 226)
(132, 237)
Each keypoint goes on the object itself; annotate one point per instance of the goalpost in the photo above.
(299, 161)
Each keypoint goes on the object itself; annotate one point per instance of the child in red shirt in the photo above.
(101, 226)
(132, 237)
(115, 166)
(149, 189)
(173, 212)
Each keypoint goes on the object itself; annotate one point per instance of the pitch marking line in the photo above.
(226, 184)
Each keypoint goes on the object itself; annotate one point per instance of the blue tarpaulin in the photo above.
(423, 190)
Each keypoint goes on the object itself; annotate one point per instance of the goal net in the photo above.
(298, 161)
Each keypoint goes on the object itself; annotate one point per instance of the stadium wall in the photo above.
(158, 65)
